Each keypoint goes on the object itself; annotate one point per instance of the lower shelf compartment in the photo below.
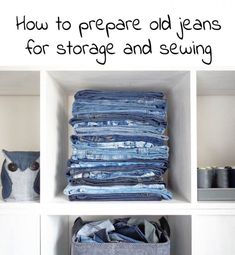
(216, 194)
(56, 232)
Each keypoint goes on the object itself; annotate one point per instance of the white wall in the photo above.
(216, 130)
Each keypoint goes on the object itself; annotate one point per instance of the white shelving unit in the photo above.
(36, 107)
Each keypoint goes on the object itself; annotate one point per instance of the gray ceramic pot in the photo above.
(222, 177)
(205, 177)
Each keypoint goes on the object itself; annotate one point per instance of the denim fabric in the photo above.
(91, 116)
(116, 197)
(114, 95)
(152, 164)
(22, 184)
(156, 152)
(119, 150)
(116, 181)
(127, 170)
(156, 126)
(155, 140)
(128, 103)
(120, 231)
(120, 142)
(96, 110)
(92, 227)
(131, 231)
(114, 175)
(133, 189)
(150, 230)
(122, 119)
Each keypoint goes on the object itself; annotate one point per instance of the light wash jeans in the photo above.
(156, 152)
(139, 188)
(147, 164)
(116, 145)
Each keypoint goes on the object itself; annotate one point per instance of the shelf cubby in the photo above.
(58, 88)
(20, 234)
(56, 230)
(216, 121)
(19, 111)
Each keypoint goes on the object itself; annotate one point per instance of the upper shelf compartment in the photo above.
(58, 88)
(19, 111)
(19, 83)
(216, 118)
(212, 83)
(216, 132)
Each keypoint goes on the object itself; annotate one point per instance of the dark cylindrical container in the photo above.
(205, 177)
(232, 177)
(222, 177)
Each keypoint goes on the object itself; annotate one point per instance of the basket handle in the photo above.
(165, 225)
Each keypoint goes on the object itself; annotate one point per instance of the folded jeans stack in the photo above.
(119, 150)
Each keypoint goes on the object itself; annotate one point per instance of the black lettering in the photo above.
(109, 26)
(197, 25)
(207, 23)
(60, 49)
(164, 49)
(128, 49)
(136, 22)
(208, 51)
(36, 49)
(30, 25)
(82, 26)
(173, 46)
(216, 25)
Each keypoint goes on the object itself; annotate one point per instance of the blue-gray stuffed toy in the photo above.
(20, 176)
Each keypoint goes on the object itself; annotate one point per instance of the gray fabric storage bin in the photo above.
(120, 248)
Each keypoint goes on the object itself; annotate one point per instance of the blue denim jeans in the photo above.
(120, 148)
(114, 95)
(158, 189)
(128, 111)
(158, 127)
(94, 164)
(126, 144)
(156, 152)
(120, 130)
(110, 179)
(143, 104)
(117, 197)
(155, 140)
(122, 119)
(114, 175)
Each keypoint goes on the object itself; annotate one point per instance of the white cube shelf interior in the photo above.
(57, 90)
(19, 111)
(214, 234)
(19, 234)
(216, 118)
(56, 232)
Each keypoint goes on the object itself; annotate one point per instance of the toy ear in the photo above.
(5, 154)
(6, 182)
